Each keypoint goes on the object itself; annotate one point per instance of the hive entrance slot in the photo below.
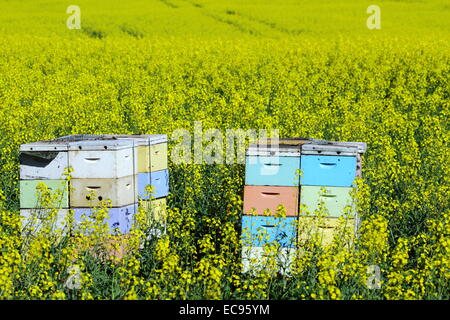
(270, 193)
(88, 197)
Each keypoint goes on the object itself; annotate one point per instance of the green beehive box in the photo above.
(29, 195)
(334, 199)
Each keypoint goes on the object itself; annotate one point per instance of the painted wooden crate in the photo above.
(30, 196)
(159, 180)
(155, 209)
(326, 229)
(151, 151)
(336, 200)
(337, 148)
(256, 259)
(272, 166)
(334, 171)
(259, 230)
(152, 158)
(91, 192)
(119, 219)
(44, 160)
(34, 219)
(103, 159)
(263, 198)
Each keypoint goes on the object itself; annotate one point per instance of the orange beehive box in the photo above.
(262, 198)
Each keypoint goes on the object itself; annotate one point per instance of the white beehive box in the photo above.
(105, 159)
(34, 219)
(43, 160)
(151, 150)
(255, 259)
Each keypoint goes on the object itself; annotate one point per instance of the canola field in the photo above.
(307, 68)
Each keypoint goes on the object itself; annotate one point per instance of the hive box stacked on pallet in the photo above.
(296, 171)
(271, 179)
(105, 167)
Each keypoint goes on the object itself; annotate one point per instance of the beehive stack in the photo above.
(104, 170)
(105, 167)
(271, 179)
(152, 169)
(43, 162)
(298, 171)
(328, 173)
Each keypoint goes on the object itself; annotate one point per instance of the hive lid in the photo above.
(45, 145)
(335, 150)
(265, 150)
(94, 142)
(286, 141)
(101, 145)
(335, 146)
(291, 146)
(78, 137)
(141, 139)
(361, 146)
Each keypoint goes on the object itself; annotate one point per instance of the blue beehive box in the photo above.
(265, 166)
(259, 230)
(158, 179)
(330, 171)
(119, 219)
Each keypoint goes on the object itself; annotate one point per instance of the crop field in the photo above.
(306, 68)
